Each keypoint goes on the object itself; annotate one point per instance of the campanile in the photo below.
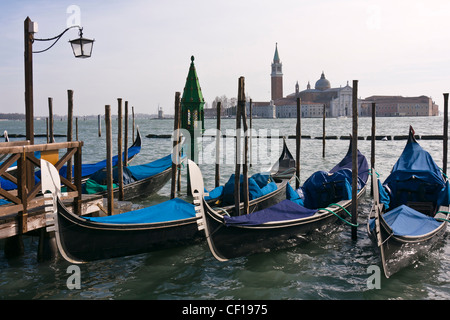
(277, 76)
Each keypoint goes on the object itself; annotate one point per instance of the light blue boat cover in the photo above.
(405, 221)
(88, 169)
(143, 171)
(98, 181)
(171, 210)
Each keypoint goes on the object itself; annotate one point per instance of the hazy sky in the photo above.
(143, 48)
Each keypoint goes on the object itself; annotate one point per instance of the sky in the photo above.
(143, 49)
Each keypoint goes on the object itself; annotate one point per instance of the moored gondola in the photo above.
(410, 209)
(88, 169)
(324, 198)
(82, 239)
(168, 224)
(139, 180)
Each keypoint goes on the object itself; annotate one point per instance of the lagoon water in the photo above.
(331, 266)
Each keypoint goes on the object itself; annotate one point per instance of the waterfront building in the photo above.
(398, 106)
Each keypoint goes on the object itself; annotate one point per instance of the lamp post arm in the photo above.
(56, 38)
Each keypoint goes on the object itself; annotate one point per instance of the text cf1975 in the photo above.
(231, 309)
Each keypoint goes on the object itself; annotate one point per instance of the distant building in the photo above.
(398, 106)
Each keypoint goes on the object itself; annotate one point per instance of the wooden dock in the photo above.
(35, 219)
(23, 211)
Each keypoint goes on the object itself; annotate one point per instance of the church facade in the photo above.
(335, 102)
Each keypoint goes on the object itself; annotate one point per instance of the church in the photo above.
(337, 102)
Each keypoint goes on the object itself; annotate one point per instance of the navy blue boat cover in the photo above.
(171, 210)
(415, 177)
(284, 210)
(259, 185)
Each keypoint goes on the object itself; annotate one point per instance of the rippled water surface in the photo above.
(330, 266)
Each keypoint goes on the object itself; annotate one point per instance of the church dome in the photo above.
(322, 83)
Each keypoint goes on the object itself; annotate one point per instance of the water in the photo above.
(332, 266)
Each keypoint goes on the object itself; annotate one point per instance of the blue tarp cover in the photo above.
(88, 169)
(143, 171)
(258, 186)
(306, 201)
(97, 182)
(282, 211)
(406, 221)
(9, 185)
(171, 210)
(415, 177)
(323, 188)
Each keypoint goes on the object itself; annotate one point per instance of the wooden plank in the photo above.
(10, 227)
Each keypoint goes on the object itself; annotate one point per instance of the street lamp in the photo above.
(82, 48)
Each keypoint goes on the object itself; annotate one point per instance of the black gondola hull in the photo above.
(145, 187)
(227, 242)
(398, 252)
(81, 240)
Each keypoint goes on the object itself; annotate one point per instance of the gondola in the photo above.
(410, 209)
(265, 188)
(81, 239)
(322, 199)
(138, 180)
(88, 169)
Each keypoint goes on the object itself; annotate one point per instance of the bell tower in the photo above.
(277, 76)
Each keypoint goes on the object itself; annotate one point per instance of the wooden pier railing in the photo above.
(28, 194)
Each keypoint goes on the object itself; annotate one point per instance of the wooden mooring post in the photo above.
(133, 124)
(298, 140)
(119, 149)
(445, 135)
(99, 125)
(109, 180)
(175, 144)
(323, 131)
(355, 159)
(241, 116)
(218, 138)
(372, 146)
(50, 121)
(125, 137)
(69, 129)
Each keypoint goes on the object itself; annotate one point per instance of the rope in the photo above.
(443, 173)
(335, 204)
(371, 174)
(443, 219)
